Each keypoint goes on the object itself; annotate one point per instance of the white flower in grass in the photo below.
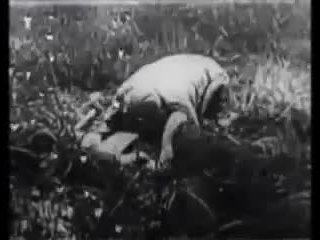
(93, 197)
(14, 97)
(51, 17)
(127, 17)
(28, 75)
(70, 212)
(86, 194)
(51, 58)
(27, 22)
(14, 126)
(49, 36)
(98, 212)
(121, 53)
(83, 159)
(60, 189)
(11, 71)
(118, 228)
(53, 156)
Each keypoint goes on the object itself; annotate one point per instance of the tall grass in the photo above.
(279, 96)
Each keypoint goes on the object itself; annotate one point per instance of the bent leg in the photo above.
(147, 119)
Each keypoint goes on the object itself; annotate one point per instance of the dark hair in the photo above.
(217, 102)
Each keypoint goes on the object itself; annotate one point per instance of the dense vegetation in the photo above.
(95, 49)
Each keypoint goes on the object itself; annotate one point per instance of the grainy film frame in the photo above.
(138, 2)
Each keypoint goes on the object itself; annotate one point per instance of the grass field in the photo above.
(270, 92)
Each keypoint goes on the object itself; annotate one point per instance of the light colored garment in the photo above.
(172, 125)
(183, 83)
(186, 81)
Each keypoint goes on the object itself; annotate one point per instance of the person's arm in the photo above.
(174, 121)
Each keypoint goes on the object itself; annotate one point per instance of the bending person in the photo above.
(160, 96)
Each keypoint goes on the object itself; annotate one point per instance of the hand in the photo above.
(166, 156)
(86, 120)
(175, 120)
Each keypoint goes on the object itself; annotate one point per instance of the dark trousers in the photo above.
(146, 119)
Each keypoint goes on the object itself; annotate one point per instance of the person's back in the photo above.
(180, 80)
(183, 84)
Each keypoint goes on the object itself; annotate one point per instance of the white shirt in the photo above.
(184, 80)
